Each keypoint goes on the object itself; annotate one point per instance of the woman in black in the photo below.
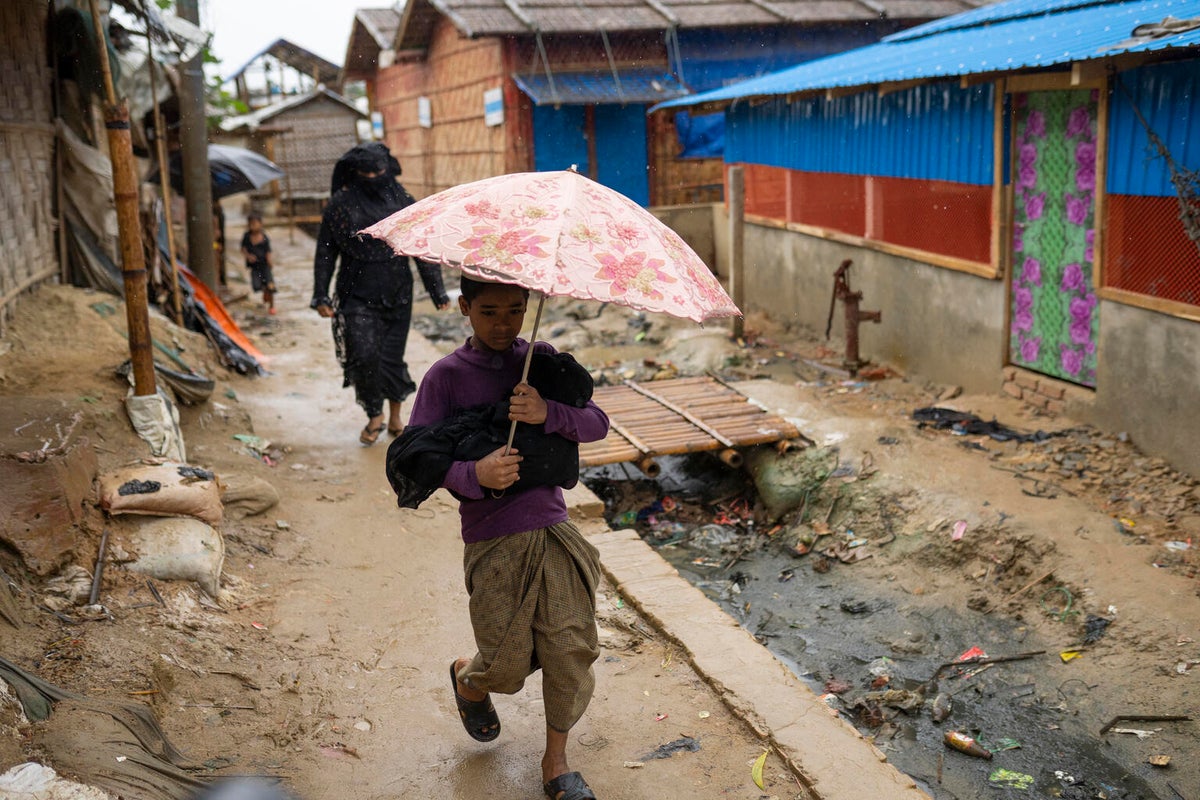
(371, 304)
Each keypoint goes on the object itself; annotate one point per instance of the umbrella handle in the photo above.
(537, 320)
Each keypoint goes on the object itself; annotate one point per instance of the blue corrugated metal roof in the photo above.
(635, 85)
(1000, 38)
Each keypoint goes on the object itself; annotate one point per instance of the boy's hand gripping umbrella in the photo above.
(559, 234)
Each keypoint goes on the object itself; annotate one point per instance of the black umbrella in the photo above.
(233, 170)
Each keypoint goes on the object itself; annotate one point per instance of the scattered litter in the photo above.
(1143, 718)
(683, 744)
(1184, 666)
(971, 654)
(634, 765)
(1070, 655)
(195, 473)
(1178, 546)
(258, 626)
(1140, 734)
(282, 524)
(1005, 744)
(961, 423)
(942, 707)
(659, 717)
(1094, 628)
(1065, 777)
(1013, 780)
(960, 528)
(756, 771)
(1159, 761)
(703, 715)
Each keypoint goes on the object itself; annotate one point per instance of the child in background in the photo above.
(256, 248)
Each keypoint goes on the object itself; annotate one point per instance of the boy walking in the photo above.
(256, 249)
(530, 574)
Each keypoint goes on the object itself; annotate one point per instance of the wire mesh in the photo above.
(1148, 251)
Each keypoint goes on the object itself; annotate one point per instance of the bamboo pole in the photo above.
(125, 195)
(164, 181)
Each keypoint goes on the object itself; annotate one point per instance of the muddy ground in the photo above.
(322, 662)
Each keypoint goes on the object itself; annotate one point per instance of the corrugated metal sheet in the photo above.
(930, 132)
(1168, 95)
(593, 87)
(1076, 33)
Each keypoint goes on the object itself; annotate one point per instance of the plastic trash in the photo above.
(1011, 779)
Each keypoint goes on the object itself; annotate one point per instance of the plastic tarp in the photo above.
(700, 136)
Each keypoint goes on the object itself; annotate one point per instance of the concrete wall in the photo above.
(949, 327)
(695, 224)
(1148, 382)
(943, 325)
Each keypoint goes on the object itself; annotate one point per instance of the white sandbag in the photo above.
(177, 549)
(164, 490)
(156, 420)
(33, 781)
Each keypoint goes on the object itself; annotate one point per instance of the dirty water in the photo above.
(870, 643)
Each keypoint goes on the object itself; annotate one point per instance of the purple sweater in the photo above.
(468, 377)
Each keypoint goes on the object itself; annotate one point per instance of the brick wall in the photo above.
(1040, 391)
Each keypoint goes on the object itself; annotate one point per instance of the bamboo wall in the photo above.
(312, 137)
(676, 181)
(459, 147)
(27, 227)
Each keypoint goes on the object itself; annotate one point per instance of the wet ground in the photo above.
(878, 649)
(1050, 563)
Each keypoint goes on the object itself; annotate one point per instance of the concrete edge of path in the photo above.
(832, 759)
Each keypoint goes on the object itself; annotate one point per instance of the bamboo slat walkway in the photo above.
(682, 415)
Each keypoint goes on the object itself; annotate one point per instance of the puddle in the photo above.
(871, 643)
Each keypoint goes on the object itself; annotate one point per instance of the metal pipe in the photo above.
(98, 573)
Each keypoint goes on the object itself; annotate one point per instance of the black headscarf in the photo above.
(367, 157)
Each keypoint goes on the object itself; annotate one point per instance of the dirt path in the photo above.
(326, 663)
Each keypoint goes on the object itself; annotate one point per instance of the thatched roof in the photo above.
(374, 30)
(475, 18)
(296, 57)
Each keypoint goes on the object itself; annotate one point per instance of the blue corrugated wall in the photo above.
(931, 132)
(1168, 96)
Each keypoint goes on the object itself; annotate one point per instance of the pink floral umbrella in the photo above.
(560, 234)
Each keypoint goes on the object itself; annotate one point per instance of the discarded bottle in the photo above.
(966, 744)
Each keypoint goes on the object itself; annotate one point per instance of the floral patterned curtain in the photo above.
(1054, 309)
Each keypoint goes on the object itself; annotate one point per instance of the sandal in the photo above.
(569, 786)
(478, 716)
(370, 435)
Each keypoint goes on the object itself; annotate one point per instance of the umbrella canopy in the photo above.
(559, 233)
(233, 170)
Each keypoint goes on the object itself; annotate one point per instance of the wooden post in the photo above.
(164, 182)
(737, 260)
(125, 195)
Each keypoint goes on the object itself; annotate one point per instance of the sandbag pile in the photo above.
(172, 510)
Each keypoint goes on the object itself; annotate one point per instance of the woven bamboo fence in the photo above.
(27, 227)
(459, 147)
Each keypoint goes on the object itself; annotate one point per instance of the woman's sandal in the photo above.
(569, 786)
(370, 435)
(478, 716)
